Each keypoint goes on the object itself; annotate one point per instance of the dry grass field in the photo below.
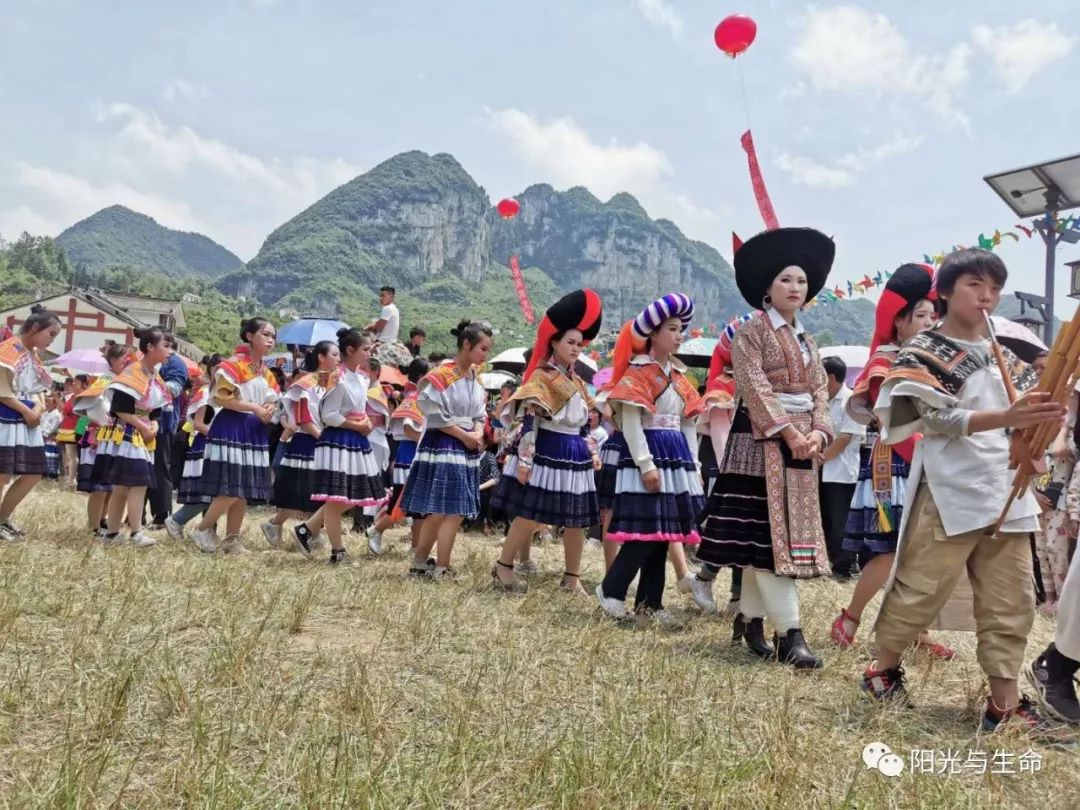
(165, 678)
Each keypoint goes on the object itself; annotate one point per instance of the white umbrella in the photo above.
(697, 352)
(514, 361)
(854, 357)
(494, 380)
(1018, 338)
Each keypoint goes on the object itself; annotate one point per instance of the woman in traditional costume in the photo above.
(406, 426)
(90, 405)
(764, 515)
(301, 401)
(657, 490)
(125, 445)
(22, 449)
(549, 478)
(905, 308)
(345, 473)
(444, 479)
(198, 415)
(236, 461)
(715, 424)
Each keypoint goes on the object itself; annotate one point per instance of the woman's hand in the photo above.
(816, 442)
(472, 441)
(148, 431)
(265, 415)
(799, 445)
(203, 429)
(32, 416)
(651, 480)
(597, 464)
(523, 473)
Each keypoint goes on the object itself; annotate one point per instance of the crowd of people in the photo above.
(773, 468)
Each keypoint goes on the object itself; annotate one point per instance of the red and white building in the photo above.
(90, 317)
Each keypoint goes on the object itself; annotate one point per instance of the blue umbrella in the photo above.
(309, 331)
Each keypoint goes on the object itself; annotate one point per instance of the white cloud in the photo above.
(849, 49)
(183, 90)
(169, 172)
(806, 171)
(71, 198)
(844, 170)
(23, 219)
(1022, 51)
(566, 155)
(570, 157)
(661, 14)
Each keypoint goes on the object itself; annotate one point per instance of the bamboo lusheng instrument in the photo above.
(1062, 369)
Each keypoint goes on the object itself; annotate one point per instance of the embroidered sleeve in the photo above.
(766, 412)
(303, 412)
(527, 444)
(820, 417)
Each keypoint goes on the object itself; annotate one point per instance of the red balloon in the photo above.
(508, 208)
(735, 34)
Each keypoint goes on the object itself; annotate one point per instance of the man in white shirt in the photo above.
(840, 470)
(386, 326)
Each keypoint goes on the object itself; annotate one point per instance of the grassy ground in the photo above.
(165, 678)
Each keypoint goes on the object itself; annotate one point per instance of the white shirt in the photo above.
(389, 332)
(844, 469)
(968, 474)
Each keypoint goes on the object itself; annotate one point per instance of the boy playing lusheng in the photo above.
(946, 385)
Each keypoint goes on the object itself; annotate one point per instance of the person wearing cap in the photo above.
(657, 484)
(548, 479)
(905, 308)
(764, 514)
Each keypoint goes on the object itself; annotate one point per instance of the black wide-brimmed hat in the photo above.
(763, 257)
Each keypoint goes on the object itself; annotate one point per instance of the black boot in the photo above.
(791, 649)
(1052, 676)
(753, 633)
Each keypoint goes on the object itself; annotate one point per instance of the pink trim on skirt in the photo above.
(339, 499)
(691, 539)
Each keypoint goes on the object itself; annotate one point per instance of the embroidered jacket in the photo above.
(643, 384)
(769, 362)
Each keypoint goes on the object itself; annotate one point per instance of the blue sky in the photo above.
(874, 121)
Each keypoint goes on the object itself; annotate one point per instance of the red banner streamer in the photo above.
(522, 293)
(761, 194)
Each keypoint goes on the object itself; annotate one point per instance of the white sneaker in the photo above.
(374, 543)
(319, 542)
(204, 540)
(527, 568)
(174, 529)
(700, 591)
(616, 608)
(272, 533)
(232, 545)
(141, 539)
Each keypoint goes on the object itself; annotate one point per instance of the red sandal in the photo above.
(840, 637)
(936, 650)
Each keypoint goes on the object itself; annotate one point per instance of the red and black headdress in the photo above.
(909, 284)
(579, 310)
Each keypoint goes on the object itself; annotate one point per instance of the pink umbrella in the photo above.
(86, 361)
(602, 377)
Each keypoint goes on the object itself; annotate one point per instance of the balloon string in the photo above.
(745, 102)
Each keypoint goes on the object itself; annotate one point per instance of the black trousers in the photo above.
(644, 557)
(159, 495)
(835, 505)
(179, 455)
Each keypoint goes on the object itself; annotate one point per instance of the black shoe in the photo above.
(338, 557)
(885, 686)
(1052, 674)
(303, 539)
(754, 636)
(791, 649)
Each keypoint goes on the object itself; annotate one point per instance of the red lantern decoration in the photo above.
(508, 208)
(735, 34)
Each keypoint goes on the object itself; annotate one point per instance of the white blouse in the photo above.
(461, 404)
(347, 399)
